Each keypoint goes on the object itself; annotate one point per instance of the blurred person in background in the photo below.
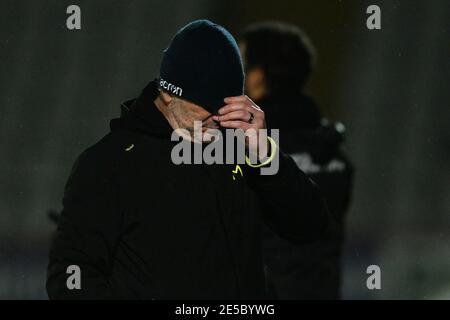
(279, 59)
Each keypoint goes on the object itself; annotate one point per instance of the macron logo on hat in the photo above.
(171, 88)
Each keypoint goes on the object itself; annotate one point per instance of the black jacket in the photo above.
(140, 227)
(309, 271)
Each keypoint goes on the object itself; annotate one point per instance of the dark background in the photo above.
(390, 87)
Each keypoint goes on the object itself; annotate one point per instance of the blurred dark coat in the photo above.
(309, 271)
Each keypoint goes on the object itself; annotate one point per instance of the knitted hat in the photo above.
(202, 64)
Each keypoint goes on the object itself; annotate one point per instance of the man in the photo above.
(279, 59)
(140, 227)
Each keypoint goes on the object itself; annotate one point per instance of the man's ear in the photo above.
(255, 80)
(165, 97)
(259, 76)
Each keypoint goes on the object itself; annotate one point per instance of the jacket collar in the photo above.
(142, 115)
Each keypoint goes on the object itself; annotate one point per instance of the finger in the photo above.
(235, 99)
(235, 124)
(242, 115)
(234, 107)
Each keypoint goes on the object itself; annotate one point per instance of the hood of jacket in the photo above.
(141, 114)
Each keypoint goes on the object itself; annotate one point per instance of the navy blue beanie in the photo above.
(202, 65)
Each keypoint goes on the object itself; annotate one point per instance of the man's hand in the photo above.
(242, 113)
